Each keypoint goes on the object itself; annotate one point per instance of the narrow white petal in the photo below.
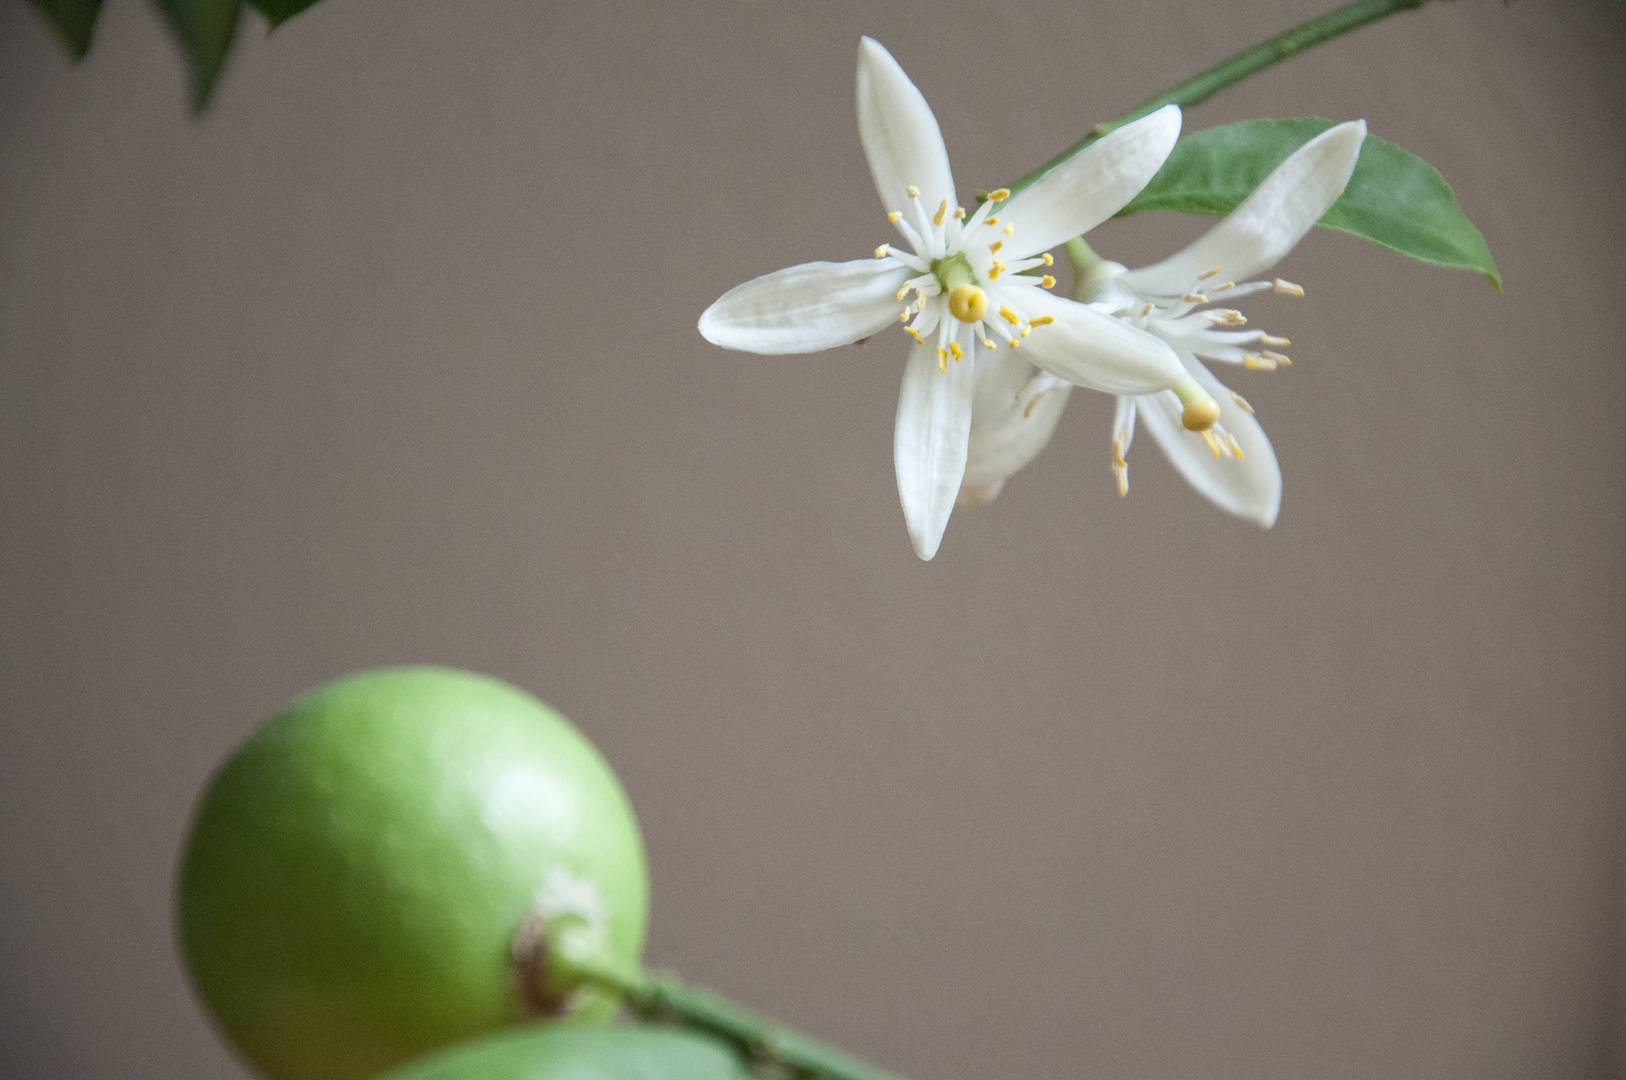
(1257, 234)
(900, 135)
(929, 447)
(1088, 348)
(808, 307)
(1249, 487)
(1090, 186)
(1013, 415)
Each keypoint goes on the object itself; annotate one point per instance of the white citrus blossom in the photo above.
(978, 284)
(1231, 462)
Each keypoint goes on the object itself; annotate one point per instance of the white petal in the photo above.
(808, 307)
(1088, 348)
(1258, 233)
(1249, 487)
(929, 447)
(900, 134)
(1090, 186)
(1013, 415)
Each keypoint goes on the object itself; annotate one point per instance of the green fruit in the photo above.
(358, 869)
(562, 1053)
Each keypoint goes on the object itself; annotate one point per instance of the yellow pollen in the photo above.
(995, 270)
(1242, 402)
(968, 303)
(1195, 298)
(1287, 288)
(959, 213)
(896, 215)
(996, 245)
(1047, 282)
(1015, 341)
(954, 347)
(941, 210)
(942, 359)
(1049, 259)
(1009, 316)
(1278, 357)
(912, 332)
(1205, 275)
(914, 192)
(999, 196)
(1009, 229)
(993, 221)
(880, 252)
(1200, 415)
(1026, 330)
(1042, 320)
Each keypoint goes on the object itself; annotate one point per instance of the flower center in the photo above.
(966, 300)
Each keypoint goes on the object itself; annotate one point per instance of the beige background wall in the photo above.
(391, 358)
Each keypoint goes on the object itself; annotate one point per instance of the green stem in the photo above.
(1201, 87)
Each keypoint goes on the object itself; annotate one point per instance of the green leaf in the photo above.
(1394, 198)
(73, 20)
(205, 29)
(277, 12)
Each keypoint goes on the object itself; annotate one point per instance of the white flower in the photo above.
(974, 298)
(1230, 461)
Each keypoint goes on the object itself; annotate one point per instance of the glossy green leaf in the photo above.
(277, 12)
(1394, 198)
(554, 1052)
(73, 21)
(205, 29)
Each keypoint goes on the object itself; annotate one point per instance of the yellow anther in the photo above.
(1028, 329)
(959, 213)
(968, 303)
(912, 332)
(1014, 342)
(1278, 357)
(903, 292)
(880, 253)
(993, 221)
(920, 305)
(1195, 298)
(999, 196)
(995, 269)
(1287, 288)
(1145, 311)
(1213, 443)
(988, 343)
(1274, 342)
(1049, 259)
(1206, 274)
(1009, 229)
(996, 245)
(1009, 316)
(954, 347)
(1236, 447)
(1225, 317)
(1027, 413)
(1042, 320)
(904, 317)
(942, 358)
(1222, 288)
(1047, 282)
(1242, 402)
(941, 211)
(1255, 362)
(914, 192)
(895, 216)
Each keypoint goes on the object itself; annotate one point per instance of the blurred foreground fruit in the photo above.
(357, 870)
(553, 1052)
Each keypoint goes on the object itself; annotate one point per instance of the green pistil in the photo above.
(952, 271)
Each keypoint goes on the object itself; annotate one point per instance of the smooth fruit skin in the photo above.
(579, 1053)
(357, 870)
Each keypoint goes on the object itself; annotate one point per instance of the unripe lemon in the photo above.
(576, 1053)
(357, 871)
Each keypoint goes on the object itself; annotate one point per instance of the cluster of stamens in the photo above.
(964, 295)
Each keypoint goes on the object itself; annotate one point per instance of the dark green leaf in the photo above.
(73, 20)
(277, 12)
(569, 1052)
(1394, 198)
(205, 29)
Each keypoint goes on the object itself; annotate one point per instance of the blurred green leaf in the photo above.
(570, 1052)
(73, 20)
(205, 29)
(1394, 198)
(277, 12)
